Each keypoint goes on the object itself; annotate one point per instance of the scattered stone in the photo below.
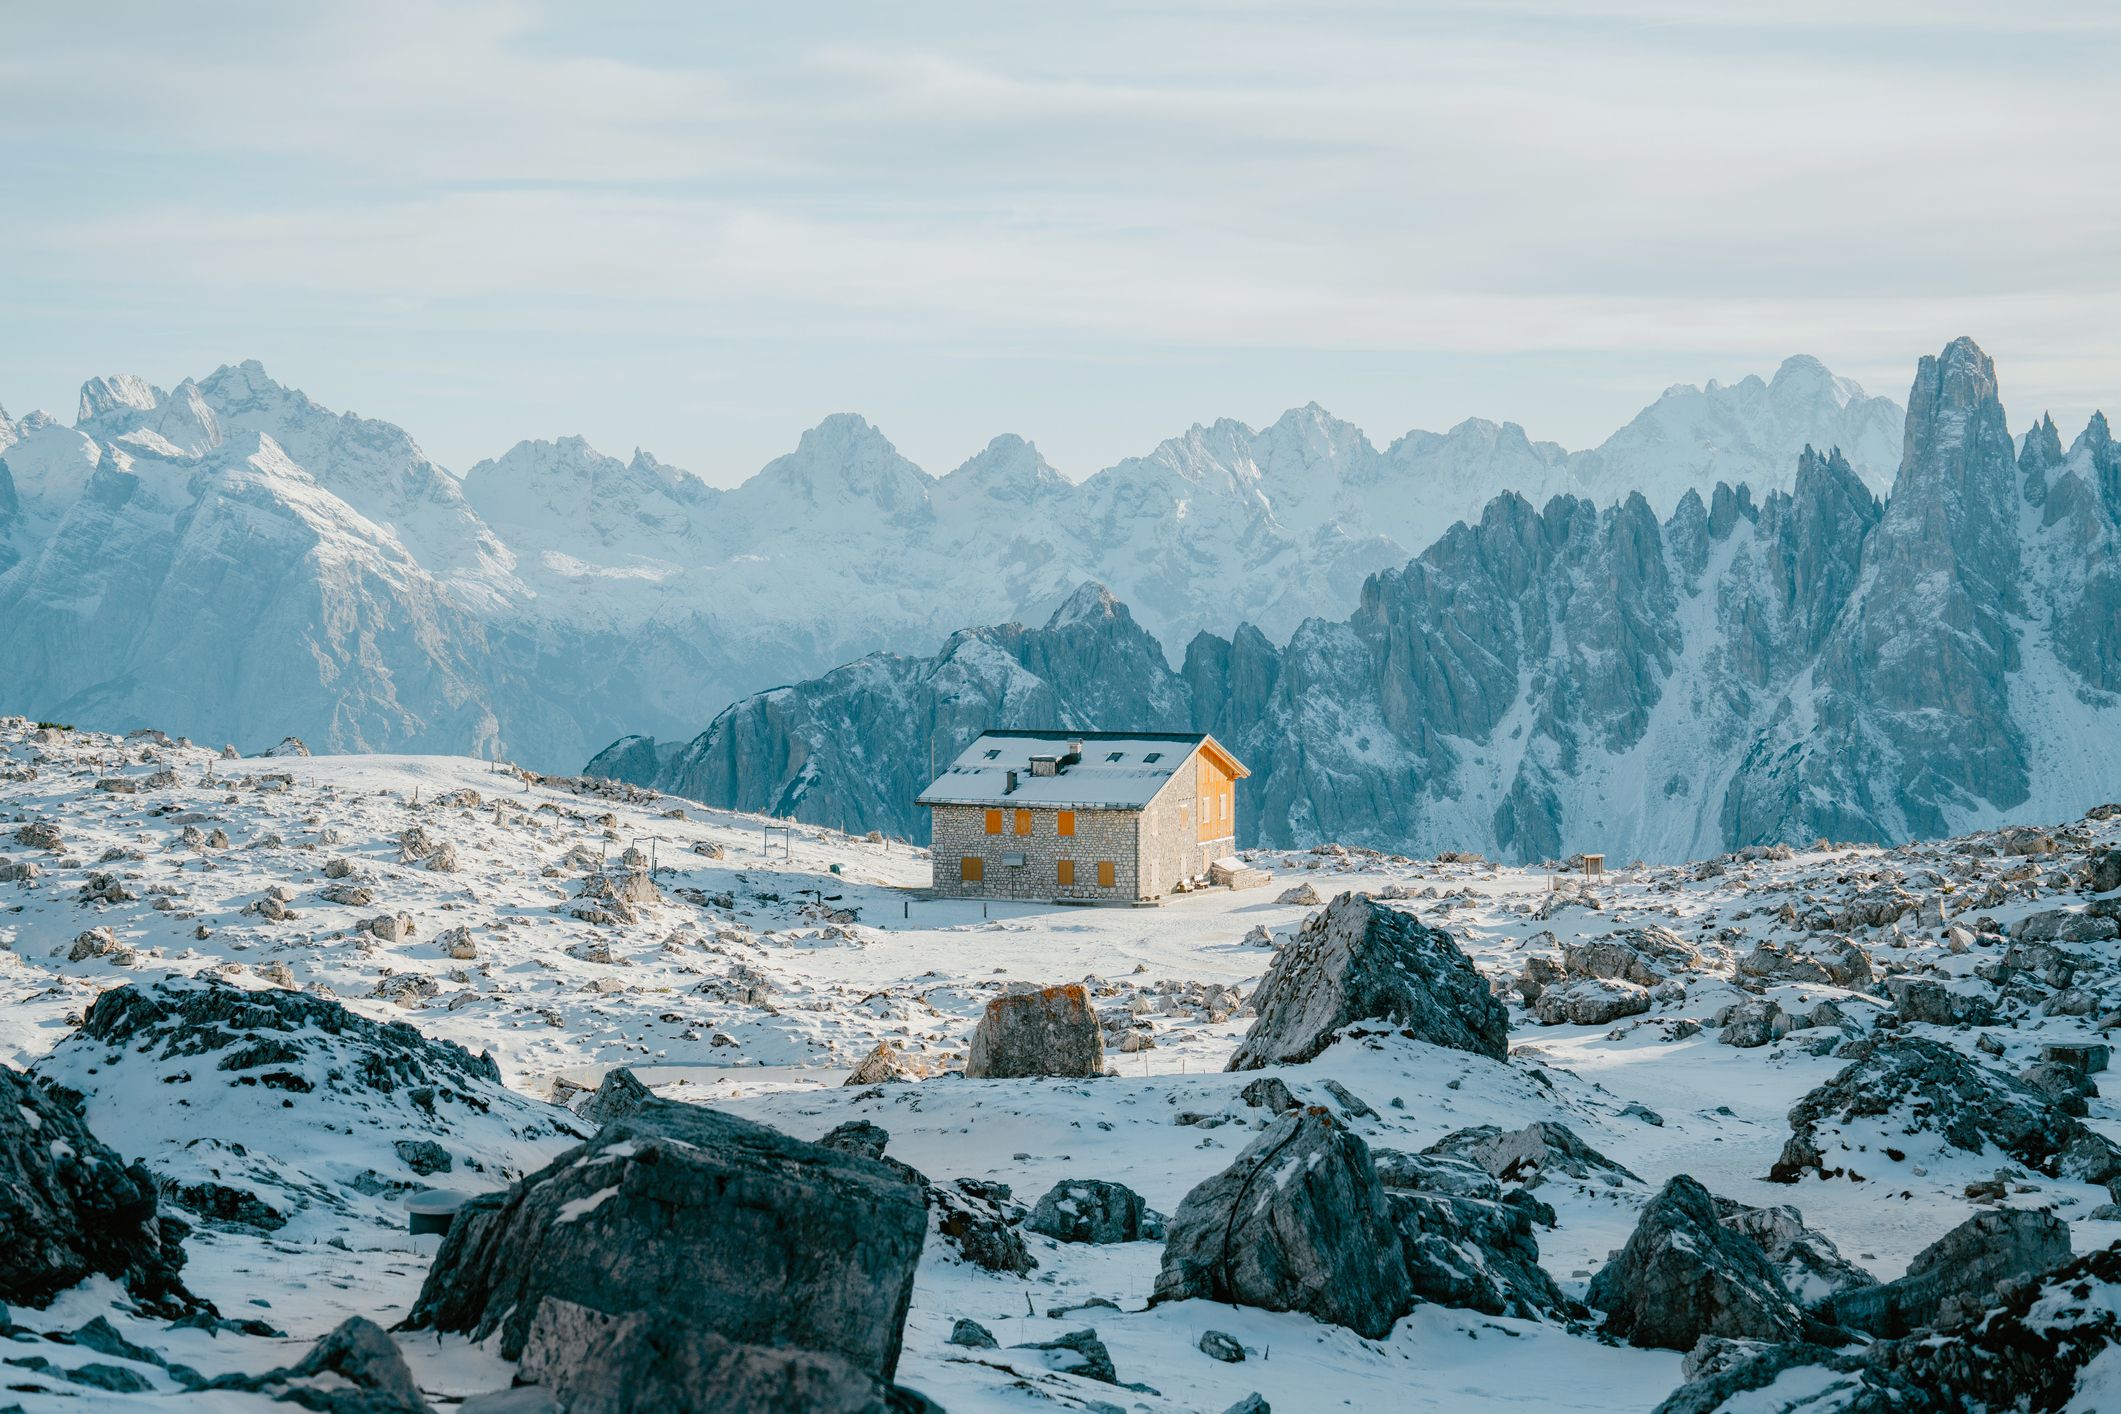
(1304, 895)
(1218, 1346)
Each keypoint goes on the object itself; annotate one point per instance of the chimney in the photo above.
(1074, 756)
(1009, 783)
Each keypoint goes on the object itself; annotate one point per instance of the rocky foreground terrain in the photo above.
(738, 1121)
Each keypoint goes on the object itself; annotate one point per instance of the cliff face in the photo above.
(1574, 677)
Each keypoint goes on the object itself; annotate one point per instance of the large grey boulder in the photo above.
(1045, 1031)
(1907, 1086)
(1683, 1275)
(1960, 1274)
(1358, 960)
(70, 1208)
(678, 1211)
(1297, 1222)
(1092, 1210)
(595, 1363)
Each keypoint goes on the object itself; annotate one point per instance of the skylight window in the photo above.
(994, 753)
(1115, 756)
(1153, 757)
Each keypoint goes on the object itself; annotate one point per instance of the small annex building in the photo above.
(1090, 817)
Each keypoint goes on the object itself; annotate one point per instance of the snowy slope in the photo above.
(739, 990)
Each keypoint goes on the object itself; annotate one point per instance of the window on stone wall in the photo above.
(994, 822)
(1064, 873)
(1064, 823)
(1105, 873)
(971, 869)
(1023, 822)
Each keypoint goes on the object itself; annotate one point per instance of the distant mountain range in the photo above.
(231, 560)
(1735, 668)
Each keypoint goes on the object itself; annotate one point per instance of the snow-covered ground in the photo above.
(772, 963)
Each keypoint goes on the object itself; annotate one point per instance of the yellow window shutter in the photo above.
(1023, 822)
(1104, 873)
(994, 822)
(1064, 824)
(972, 869)
(1064, 873)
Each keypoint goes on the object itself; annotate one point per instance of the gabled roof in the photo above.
(1118, 770)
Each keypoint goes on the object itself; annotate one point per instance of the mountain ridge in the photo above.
(1538, 681)
(553, 598)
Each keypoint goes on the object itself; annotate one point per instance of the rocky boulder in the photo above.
(1046, 1031)
(1298, 1222)
(71, 1208)
(1360, 961)
(356, 1369)
(592, 1362)
(1531, 1155)
(1958, 1276)
(1812, 1268)
(1468, 1243)
(2030, 1349)
(332, 1092)
(1683, 1275)
(1092, 1210)
(1589, 1001)
(1906, 1087)
(681, 1213)
(979, 1220)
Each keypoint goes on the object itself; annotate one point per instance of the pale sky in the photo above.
(700, 229)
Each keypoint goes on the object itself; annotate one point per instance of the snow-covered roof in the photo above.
(1118, 770)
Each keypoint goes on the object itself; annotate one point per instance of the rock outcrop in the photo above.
(1908, 1086)
(1361, 961)
(2030, 1349)
(245, 1062)
(70, 1208)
